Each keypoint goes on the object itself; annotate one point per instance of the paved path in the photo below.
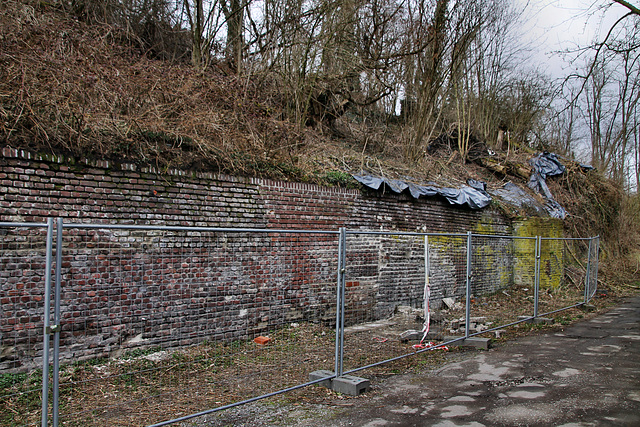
(586, 375)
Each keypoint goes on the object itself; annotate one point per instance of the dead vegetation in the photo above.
(90, 91)
(85, 90)
(98, 91)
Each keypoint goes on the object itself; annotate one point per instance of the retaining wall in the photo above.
(34, 187)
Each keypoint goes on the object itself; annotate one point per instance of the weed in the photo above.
(96, 361)
(564, 320)
(340, 179)
(9, 380)
(20, 396)
(139, 352)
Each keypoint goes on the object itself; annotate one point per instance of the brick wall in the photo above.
(124, 288)
(35, 187)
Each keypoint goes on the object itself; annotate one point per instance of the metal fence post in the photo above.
(427, 290)
(587, 279)
(468, 293)
(47, 329)
(56, 324)
(343, 288)
(536, 279)
(597, 261)
(342, 240)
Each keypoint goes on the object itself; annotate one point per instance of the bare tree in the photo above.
(204, 21)
(632, 9)
(234, 13)
(608, 93)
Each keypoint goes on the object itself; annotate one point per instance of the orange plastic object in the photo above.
(261, 340)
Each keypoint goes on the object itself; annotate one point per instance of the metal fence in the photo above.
(25, 276)
(152, 324)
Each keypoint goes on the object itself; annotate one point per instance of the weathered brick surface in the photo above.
(124, 288)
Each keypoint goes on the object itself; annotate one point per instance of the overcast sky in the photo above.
(557, 25)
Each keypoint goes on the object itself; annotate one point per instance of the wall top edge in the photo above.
(61, 159)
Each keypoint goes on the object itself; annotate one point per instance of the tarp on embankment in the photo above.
(475, 198)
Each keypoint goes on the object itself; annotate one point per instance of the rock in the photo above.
(411, 335)
(404, 309)
(448, 302)
(436, 316)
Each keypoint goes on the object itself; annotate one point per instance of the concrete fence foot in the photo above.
(346, 384)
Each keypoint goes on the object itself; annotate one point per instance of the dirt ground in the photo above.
(147, 386)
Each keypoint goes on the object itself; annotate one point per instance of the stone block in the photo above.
(481, 343)
(323, 373)
(411, 335)
(448, 302)
(348, 384)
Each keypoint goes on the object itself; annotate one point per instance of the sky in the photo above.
(552, 26)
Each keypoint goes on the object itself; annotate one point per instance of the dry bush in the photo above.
(82, 89)
(89, 91)
(597, 206)
(629, 240)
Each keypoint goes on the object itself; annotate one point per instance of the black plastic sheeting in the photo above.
(545, 165)
(473, 196)
(516, 196)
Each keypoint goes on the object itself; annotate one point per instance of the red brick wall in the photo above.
(126, 288)
(35, 187)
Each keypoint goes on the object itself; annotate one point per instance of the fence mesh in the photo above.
(564, 271)
(159, 324)
(385, 292)
(502, 282)
(592, 263)
(386, 284)
(22, 288)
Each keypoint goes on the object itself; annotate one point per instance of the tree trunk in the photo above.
(234, 15)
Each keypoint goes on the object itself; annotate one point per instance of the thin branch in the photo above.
(595, 58)
(634, 9)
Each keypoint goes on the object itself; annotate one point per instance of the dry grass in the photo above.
(85, 90)
(88, 91)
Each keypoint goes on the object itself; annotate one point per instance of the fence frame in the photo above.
(46, 329)
(469, 238)
(51, 330)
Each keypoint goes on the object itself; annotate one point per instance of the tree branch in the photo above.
(600, 46)
(634, 9)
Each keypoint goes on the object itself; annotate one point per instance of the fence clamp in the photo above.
(53, 329)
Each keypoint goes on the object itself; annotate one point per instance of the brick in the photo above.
(280, 283)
